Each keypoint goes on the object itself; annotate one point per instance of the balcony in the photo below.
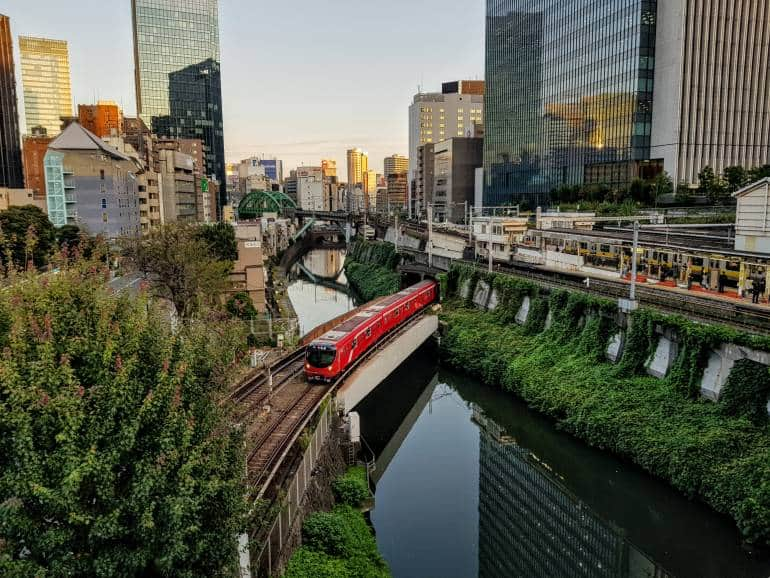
(70, 198)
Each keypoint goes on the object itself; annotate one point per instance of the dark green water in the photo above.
(472, 483)
(482, 486)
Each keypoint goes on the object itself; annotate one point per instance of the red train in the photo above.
(331, 354)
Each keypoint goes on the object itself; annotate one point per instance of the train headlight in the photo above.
(330, 368)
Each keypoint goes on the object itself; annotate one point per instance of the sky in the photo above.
(302, 80)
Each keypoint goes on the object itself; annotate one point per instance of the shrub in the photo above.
(352, 488)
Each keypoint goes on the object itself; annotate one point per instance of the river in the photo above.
(470, 482)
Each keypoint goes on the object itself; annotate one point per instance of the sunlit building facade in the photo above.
(589, 92)
(358, 164)
(177, 67)
(45, 72)
(569, 87)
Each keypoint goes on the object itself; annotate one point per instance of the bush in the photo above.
(338, 543)
(371, 269)
(352, 488)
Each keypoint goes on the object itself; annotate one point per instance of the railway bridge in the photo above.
(289, 424)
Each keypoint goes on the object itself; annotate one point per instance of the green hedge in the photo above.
(719, 453)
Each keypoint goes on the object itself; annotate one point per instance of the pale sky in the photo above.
(301, 79)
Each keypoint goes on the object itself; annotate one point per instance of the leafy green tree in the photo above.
(241, 306)
(221, 241)
(736, 177)
(758, 173)
(27, 236)
(712, 186)
(115, 458)
(180, 266)
(662, 186)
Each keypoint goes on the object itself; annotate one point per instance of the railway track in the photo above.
(299, 401)
(254, 393)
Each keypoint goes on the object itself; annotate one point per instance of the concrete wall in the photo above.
(715, 375)
(374, 371)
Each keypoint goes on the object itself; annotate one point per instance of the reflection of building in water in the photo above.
(326, 264)
(531, 526)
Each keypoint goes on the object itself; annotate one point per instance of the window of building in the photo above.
(104, 203)
(101, 174)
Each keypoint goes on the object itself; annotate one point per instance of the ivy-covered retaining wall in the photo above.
(716, 452)
(371, 269)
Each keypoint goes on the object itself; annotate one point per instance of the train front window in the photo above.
(321, 356)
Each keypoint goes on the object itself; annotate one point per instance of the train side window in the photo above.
(355, 343)
(397, 311)
(369, 332)
(408, 305)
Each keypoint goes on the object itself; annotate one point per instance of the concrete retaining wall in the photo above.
(659, 364)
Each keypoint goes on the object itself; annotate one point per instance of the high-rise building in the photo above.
(370, 181)
(654, 86)
(45, 72)
(104, 119)
(396, 173)
(310, 189)
(455, 164)
(11, 174)
(178, 85)
(453, 112)
(358, 164)
(396, 164)
(329, 168)
(423, 181)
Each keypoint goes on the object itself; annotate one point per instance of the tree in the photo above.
(115, 458)
(759, 173)
(220, 239)
(712, 186)
(180, 267)
(737, 177)
(241, 306)
(662, 186)
(26, 235)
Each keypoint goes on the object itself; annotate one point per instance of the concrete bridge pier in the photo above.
(379, 366)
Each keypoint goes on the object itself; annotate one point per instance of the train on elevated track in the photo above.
(333, 353)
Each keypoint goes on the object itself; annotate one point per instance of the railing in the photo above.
(273, 541)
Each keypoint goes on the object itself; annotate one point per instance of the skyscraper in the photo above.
(396, 164)
(178, 86)
(11, 175)
(607, 92)
(45, 71)
(358, 164)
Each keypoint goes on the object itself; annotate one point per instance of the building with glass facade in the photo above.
(584, 92)
(178, 84)
(45, 72)
(11, 175)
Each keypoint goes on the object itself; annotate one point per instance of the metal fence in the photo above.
(267, 561)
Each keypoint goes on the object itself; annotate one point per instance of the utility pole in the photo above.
(632, 297)
(491, 220)
(430, 235)
(397, 232)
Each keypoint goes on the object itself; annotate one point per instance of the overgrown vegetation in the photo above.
(115, 457)
(371, 269)
(352, 489)
(339, 544)
(719, 453)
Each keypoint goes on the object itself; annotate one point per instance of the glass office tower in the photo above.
(10, 144)
(178, 86)
(569, 95)
(45, 73)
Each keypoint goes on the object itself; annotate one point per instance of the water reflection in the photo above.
(318, 288)
(531, 525)
(470, 482)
